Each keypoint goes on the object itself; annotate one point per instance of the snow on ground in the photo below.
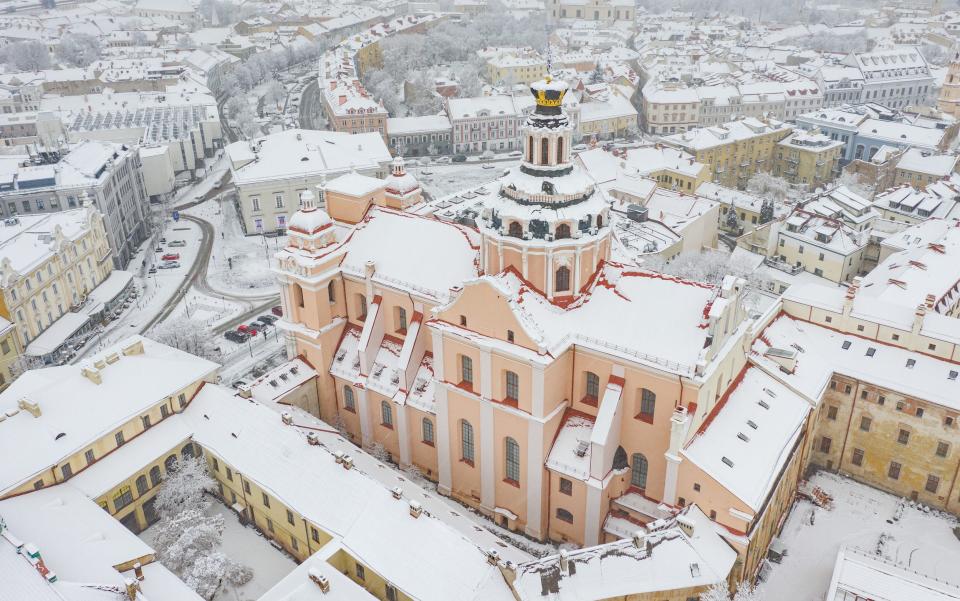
(208, 310)
(922, 540)
(245, 545)
(251, 359)
(441, 180)
(248, 270)
(155, 290)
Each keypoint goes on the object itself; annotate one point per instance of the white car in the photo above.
(444, 160)
(170, 265)
(177, 243)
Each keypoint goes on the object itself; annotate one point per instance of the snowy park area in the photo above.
(239, 264)
(440, 180)
(921, 540)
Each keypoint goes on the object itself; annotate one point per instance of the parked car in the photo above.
(515, 153)
(158, 249)
(444, 160)
(169, 265)
(580, 147)
(489, 166)
(267, 319)
(163, 240)
(232, 335)
(278, 311)
(459, 158)
(177, 243)
(253, 330)
(171, 257)
(243, 327)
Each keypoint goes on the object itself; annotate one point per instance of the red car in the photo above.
(171, 257)
(242, 328)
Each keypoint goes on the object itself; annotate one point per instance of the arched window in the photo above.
(563, 231)
(386, 414)
(155, 477)
(530, 149)
(638, 471)
(512, 460)
(331, 292)
(298, 295)
(559, 150)
(599, 221)
(545, 151)
(348, 402)
(142, 487)
(427, 427)
(593, 385)
(564, 516)
(563, 279)
(516, 230)
(466, 441)
(512, 386)
(187, 452)
(648, 404)
(170, 463)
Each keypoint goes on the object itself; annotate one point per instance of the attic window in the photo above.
(846, 344)
(763, 404)
(293, 370)
(952, 375)
(911, 363)
(304, 159)
(727, 461)
(273, 383)
(59, 436)
(743, 437)
(752, 424)
(871, 351)
(770, 393)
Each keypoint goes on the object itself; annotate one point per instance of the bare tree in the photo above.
(28, 56)
(188, 335)
(78, 49)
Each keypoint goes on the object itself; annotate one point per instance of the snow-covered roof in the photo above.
(31, 240)
(422, 557)
(902, 134)
(281, 380)
(659, 319)
(570, 453)
(481, 106)
(404, 249)
(824, 354)
(397, 126)
(74, 410)
(705, 138)
(906, 278)
(940, 165)
(747, 442)
(296, 153)
(858, 574)
(664, 559)
(81, 543)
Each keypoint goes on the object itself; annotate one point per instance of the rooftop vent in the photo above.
(727, 461)
(582, 447)
(319, 579)
(415, 508)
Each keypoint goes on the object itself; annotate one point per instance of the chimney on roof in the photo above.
(91, 373)
(686, 524)
(415, 508)
(132, 588)
(30, 407)
(134, 349)
(397, 492)
(319, 579)
(493, 557)
(851, 295)
(639, 536)
(138, 571)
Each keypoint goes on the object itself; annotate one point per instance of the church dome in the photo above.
(309, 220)
(399, 182)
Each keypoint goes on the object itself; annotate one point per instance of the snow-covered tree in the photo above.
(747, 592)
(27, 56)
(187, 538)
(769, 186)
(274, 93)
(78, 49)
(597, 75)
(185, 42)
(717, 592)
(184, 489)
(182, 538)
(188, 335)
(854, 183)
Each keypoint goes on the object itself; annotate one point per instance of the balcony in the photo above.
(782, 266)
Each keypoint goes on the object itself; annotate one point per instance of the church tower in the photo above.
(547, 222)
(949, 101)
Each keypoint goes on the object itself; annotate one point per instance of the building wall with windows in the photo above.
(48, 265)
